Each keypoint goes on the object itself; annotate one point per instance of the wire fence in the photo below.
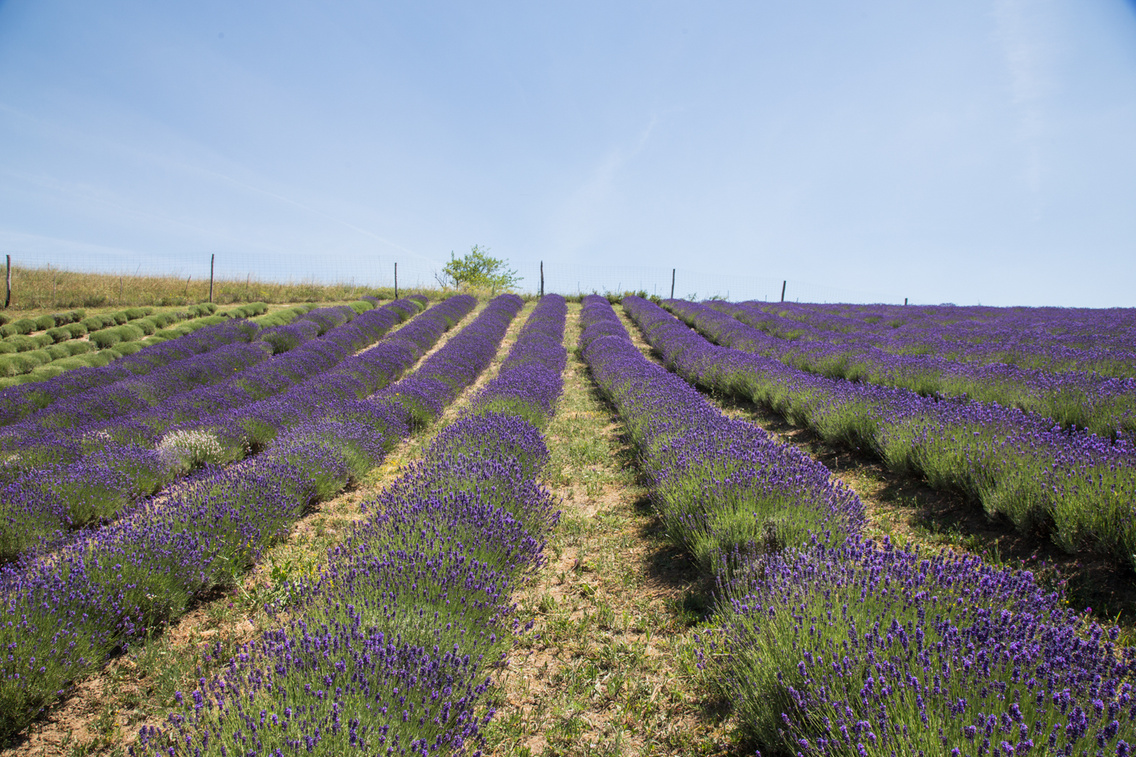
(417, 273)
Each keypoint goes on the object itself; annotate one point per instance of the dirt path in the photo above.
(608, 667)
(103, 713)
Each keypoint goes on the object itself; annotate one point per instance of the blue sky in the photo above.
(947, 152)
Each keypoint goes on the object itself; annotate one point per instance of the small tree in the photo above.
(477, 269)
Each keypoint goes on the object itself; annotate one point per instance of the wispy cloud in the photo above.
(583, 214)
(109, 205)
(196, 164)
(1026, 47)
(314, 211)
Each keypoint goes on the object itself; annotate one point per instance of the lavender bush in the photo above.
(1064, 387)
(865, 650)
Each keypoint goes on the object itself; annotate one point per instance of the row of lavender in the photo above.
(59, 345)
(830, 645)
(20, 401)
(140, 410)
(1078, 486)
(708, 473)
(65, 612)
(388, 650)
(1053, 339)
(120, 395)
(1073, 397)
(169, 346)
(100, 467)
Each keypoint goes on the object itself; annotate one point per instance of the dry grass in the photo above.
(51, 289)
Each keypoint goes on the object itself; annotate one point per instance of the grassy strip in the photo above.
(36, 289)
(609, 666)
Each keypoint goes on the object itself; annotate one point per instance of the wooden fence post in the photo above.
(542, 279)
(783, 283)
(396, 281)
(8, 282)
(212, 257)
(672, 283)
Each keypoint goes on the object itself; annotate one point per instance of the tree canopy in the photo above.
(477, 269)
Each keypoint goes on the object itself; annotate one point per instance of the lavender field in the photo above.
(506, 527)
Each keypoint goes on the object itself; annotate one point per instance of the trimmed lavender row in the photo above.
(56, 424)
(20, 401)
(116, 465)
(166, 390)
(318, 321)
(1077, 486)
(117, 475)
(1075, 397)
(117, 392)
(722, 487)
(60, 349)
(66, 612)
(839, 647)
(388, 649)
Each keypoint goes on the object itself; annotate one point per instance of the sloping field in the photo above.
(558, 528)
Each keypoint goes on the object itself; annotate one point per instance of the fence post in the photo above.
(542, 279)
(783, 283)
(212, 257)
(8, 282)
(672, 283)
(905, 302)
(396, 281)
